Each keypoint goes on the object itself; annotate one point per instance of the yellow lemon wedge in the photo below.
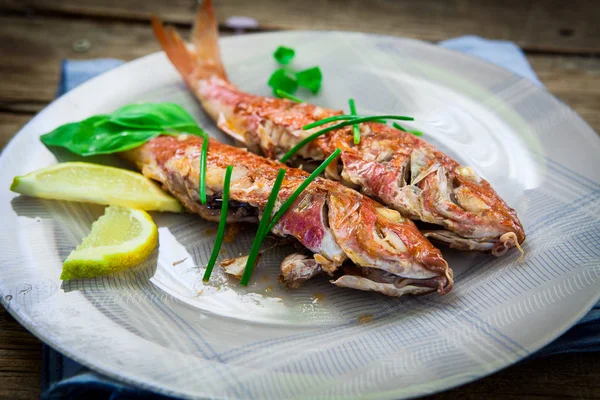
(94, 183)
(120, 239)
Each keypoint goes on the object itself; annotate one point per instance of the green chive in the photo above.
(399, 127)
(352, 121)
(355, 128)
(327, 120)
(222, 224)
(285, 95)
(262, 226)
(203, 155)
(288, 203)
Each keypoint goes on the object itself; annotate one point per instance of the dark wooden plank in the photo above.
(20, 360)
(574, 80)
(565, 376)
(37, 45)
(557, 26)
(10, 123)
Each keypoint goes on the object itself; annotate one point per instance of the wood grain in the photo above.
(37, 45)
(20, 360)
(11, 123)
(557, 26)
(573, 79)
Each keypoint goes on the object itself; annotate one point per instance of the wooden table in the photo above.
(561, 40)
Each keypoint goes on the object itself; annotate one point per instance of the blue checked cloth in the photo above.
(64, 378)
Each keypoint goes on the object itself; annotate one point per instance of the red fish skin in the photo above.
(395, 167)
(321, 218)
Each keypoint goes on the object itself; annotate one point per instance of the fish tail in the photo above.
(202, 62)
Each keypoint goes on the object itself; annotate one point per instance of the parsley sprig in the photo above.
(286, 80)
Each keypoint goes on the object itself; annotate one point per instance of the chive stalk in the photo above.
(289, 96)
(400, 128)
(355, 128)
(351, 121)
(203, 156)
(265, 226)
(288, 203)
(262, 226)
(222, 225)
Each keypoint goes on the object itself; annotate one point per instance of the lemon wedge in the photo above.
(120, 239)
(93, 183)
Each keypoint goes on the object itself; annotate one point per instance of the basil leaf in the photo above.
(152, 116)
(128, 127)
(282, 81)
(310, 78)
(193, 129)
(97, 135)
(284, 55)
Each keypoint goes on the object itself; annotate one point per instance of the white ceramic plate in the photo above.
(158, 327)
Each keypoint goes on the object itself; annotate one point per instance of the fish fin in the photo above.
(204, 61)
(184, 59)
(231, 129)
(205, 37)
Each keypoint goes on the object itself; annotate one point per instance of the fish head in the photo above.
(387, 249)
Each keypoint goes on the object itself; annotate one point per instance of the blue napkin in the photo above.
(63, 377)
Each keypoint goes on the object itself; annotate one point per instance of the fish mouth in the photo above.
(373, 279)
(297, 268)
(498, 246)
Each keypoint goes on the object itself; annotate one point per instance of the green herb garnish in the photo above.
(126, 128)
(203, 157)
(310, 78)
(343, 117)
(262, 226)
(400, 128)
(288, 81)
(288, 203)
(286, 95)
(266, 226)
(351, 120)
(355, 128)
(284, 55)
(222, 225)
(281, 80)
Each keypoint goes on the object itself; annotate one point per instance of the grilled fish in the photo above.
(398, 169)
(356, 240)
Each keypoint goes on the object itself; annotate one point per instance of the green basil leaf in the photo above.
(128, 127)
(67, 132)
(310, 78)
(152, 116)
(282, 81)
(284, 55)
(193, 129)
(97, 135)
